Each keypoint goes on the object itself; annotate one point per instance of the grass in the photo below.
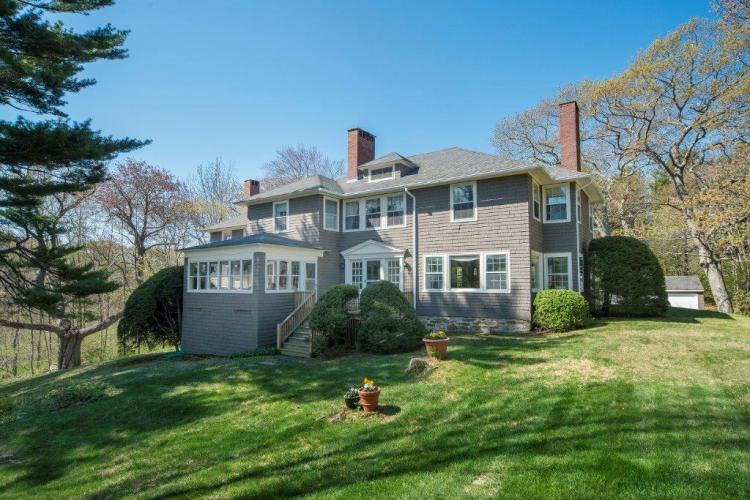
(657, 408)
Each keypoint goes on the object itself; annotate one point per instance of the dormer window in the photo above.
(381, 174)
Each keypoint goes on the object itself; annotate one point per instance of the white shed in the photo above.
(685, 291)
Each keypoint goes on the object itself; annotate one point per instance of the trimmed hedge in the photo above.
(328, 316)
(153, 312)
(625, 270)
(388, 323)
(560, 310)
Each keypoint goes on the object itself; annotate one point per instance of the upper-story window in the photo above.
(372, 213)
(463, 202)
(331, 214)
(591, 219)
(382, 212)
(579, 210)
(381, 174)
(536, 195)
(556, 203)
(280, 216)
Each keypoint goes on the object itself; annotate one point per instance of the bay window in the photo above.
(556, 204)
(463, 202)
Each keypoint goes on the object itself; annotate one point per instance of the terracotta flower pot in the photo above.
(369, 400)
(436, 348)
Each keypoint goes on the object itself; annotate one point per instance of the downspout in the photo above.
(415, 258)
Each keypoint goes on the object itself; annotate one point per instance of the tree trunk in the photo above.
(711, 267)
(69, 355)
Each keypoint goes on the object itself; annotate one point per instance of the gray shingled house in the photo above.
(468, 237)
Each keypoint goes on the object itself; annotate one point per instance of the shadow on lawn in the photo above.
(674, 315)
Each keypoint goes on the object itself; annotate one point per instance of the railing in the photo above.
(295, 318)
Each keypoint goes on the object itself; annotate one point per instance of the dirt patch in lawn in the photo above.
(565, 370)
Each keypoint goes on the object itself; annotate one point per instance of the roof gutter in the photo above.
(415, 258)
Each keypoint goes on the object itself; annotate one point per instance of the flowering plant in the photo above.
(351, 393)
(368, 385)
(437, 335)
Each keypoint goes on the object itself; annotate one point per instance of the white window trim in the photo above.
(482, 272)
(219, 258)
(566, 187)
(273, 215)
(302, 274)
(536, 191)
(579, 206)
(569, 255)
(383, 213)
(539, 255)
(591, 220)
(325, 218)
(580, 272)
(383, 276)
(474, 197)
(369, 174)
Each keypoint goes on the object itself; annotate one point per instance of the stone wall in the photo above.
(457, 324)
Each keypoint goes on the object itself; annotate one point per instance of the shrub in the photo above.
(625, 270)
(388, 322)
(560, 310)
(741, 302)
(153, 311)
(328, 316)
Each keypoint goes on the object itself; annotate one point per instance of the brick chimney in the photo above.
(570, 137)
(250, 188)
(361, 149)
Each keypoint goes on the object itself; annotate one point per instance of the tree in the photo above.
(147, 202)
(212, 192)
(39, 64)
(294, 163)
(679, 109)
(153, 312)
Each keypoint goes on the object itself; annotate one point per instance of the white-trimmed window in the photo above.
(579, 209)
(381, 174)
(580, 273)
(280, 216)
(285, 275)
(372, 213)
(537, 271)
(393, 271)
(496, 271)
(536, 195)
(557, 270)
(433, 272)
(330, 214)
(463, 200)
(364, 272)
(358, 274)
(591, 220)
(351, 215)
(216, 275)
(464, 272)
(556, 203)
(395, 210)
(383, 212)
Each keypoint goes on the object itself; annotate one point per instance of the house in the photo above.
(468, 237)
(685, 291)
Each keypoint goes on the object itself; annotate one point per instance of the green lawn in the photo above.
(628, 408)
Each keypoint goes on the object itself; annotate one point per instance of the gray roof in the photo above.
(240, 220)
(683, 283)
(444, 166)
(261, 238)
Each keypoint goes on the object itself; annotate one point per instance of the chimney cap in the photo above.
(365, 132)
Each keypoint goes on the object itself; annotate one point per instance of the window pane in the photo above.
(224, 274)
(373, 271)
(283, 274)
(557, 272)
(247, 274)
(434, 264)
(357, 273)
(463, 202)
(280, 211)
(194, 283)
(235, 274)
(372, 213)
(295, 275)
(352, 215)
(434, 273)
(496, 267)
(193, 269)
(464, 271)
(331, 208)
(395, 210)
(381, 173)
(557, 203)
(310, 278)
(496, 263)
(394, 272)
(271, 275)
(536, 268)
(434, 281)
(213, 278)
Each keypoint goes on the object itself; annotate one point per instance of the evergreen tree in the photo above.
(48, 158)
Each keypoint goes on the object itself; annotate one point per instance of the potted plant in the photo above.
(351, 398)
(368, 395)
(436, 344)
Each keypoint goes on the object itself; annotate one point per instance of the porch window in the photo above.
(556, 203)
(464, 272)
(202, 271)
(283, 278)
(286, 275)
(496, 272)
(236, 276)
(331, 215)
(213, 278)
(557, 268)
(372, 213)
(271, 275)
(311, 278)
(395, 210)
(357, 275)
(433, 277)
(220, 275)
(351, 217)
(463, 202)
(247, 274)
(224, 275)
(295, 275)
(393, 271)
(280, 216)
(373, 271)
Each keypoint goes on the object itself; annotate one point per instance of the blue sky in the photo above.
(240, 79)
